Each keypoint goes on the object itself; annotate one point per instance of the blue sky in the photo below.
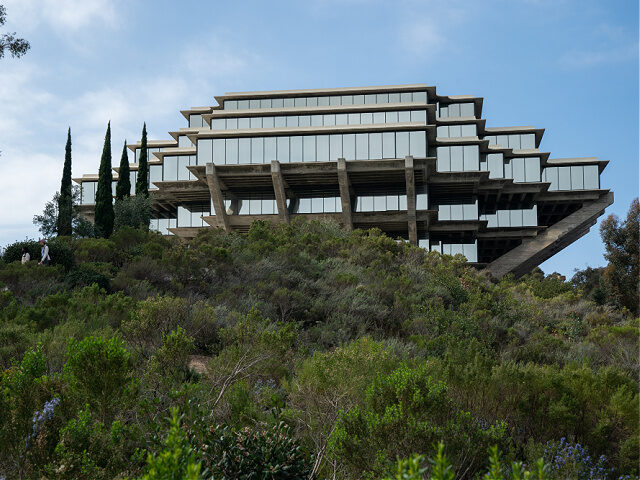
(569, 66)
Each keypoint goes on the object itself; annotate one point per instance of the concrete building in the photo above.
(418, 165)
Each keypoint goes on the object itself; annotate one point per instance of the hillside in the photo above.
(303, 348)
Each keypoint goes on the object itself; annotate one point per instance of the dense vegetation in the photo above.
(305, 350)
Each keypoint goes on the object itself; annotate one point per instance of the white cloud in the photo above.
(61, 15)
(423, 37)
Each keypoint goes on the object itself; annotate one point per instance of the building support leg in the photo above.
(412, 224)
(345, 194)
(278, 188)
(216, 196)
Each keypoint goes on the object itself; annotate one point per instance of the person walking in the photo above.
(44, 251)
(25, 255)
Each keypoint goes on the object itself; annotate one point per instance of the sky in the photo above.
(569, 66)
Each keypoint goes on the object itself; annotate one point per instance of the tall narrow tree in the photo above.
(65, 200)
(123, 187)
(142, 182)
(104, 198)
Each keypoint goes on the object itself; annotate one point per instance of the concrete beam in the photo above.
(216, 196)
(278, 188)
(345, 194)
(412, 224)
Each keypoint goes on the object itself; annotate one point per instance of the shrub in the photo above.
(132, 212)
(86, 275)
(95, 250)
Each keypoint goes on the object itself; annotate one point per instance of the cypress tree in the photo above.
(142, 182)
(104, 198)
(65, 201)
(123, 187)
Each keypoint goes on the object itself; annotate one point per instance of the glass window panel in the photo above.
(244, 151)
(304, 121)
(362, 146)
(382, 98)
(496, 165)
(456, 248)
(455, 131)
(517, 165)
(358, 99)
(265, 103)
(394, 98)
(388, 145)
(527, 141)
(591, 177)
(406, 97)
(419, 116)
(454, 110)
(456, 212)
(341, 119)
(329, 120)
(280, 122)
(422, 201)
(370, 99)
(218, 124)
(334, 100)
(255, 206)
(195, 121)
(402, 201)
(551, 176)
(347, 100)
(402, 144)
(231, 105)
(470, 211)
(323, 101)
(532, 169)
(349, 146)
(378, 117)
(231, 147)
(268, 122)
(312, 101)
(256, 122)
(196, 220)
(404, 116)
(442, 132)
(269, 149)
(514, 141)
(420, 97)
(183, 173)
(316, 120)
(471, 158)
(507, 169)
(283, 149)
(204, 151)
(304, 205)
(184, 217)
(366, 118)
(232, 123)
(269, 207)
(300, 102)
(392, 202)
(292, 121)
(288, 102)
(244, 123)
(335, 147)
(309, 148)
(257, 150)
(457, 164)
(516, 217)
(470, 251)
(418, 143)
(133, 176)
(530, 217)
(354, 119)
(375, 145)
(443, 159)
(468, 130)
(329, 205)
(277, 103)
(379, 203)
(467, 110)
(296, 149)
(243, 104)
(317, 205)
(443, 111)
(253, 104)
(367, 204)
(392, 117)
(504, 219)
(577, 178)
(322, 148)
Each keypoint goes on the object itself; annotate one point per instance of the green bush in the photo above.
(95, 250)
(86, 275)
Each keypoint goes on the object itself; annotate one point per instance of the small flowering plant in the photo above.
(572, 460)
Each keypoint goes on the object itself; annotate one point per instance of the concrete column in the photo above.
(216, 196)
(411, 200)
(345, 194)
(278, 188)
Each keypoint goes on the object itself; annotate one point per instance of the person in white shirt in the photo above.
(25, 255)
(44, 253)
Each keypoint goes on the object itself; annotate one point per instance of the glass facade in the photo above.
(454, 131)
(381, 203)
(312, 148)
(574, 177)
(162, 225)
(328, 119)
(458, 158)
(175, 168)
(192, 217)
(520, 169)
(326, 100)
(458, 211)
(150, 152)
(196, 121)
(519, 217)
(521, 141)
(454, 110)
(469, 250)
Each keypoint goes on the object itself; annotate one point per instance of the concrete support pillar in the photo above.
(278, 188)
(216, 196)
(345, 193)
(411, 200)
